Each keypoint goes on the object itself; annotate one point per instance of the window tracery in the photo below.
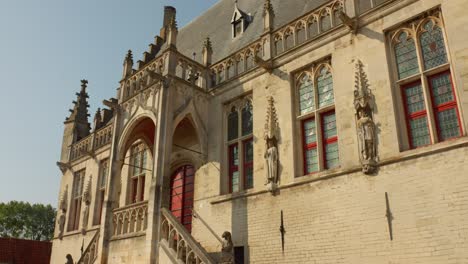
(424, 78)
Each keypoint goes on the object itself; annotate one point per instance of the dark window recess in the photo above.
(239, 255)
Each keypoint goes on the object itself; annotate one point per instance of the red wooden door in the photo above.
(182, 195)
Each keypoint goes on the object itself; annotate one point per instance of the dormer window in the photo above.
(239, 22)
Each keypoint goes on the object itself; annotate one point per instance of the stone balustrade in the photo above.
(190, 70)
(81, 148)
(92, 142)
(130, 219)
(103, 136)
(180, 242)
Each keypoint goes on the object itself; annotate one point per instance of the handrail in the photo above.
(186, 247)
(90, 254)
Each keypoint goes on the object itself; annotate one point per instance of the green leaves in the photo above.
(23, 220)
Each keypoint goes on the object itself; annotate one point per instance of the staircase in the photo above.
(90, 254)
(178, 243)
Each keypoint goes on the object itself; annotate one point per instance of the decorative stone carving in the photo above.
(63, 212)
(271, 141)
(227, 256)
(87, 202)
(69, 259)
(364, 107)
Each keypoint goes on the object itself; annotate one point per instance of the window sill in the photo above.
(328, 174)
(128, 236)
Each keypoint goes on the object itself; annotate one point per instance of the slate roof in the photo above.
(216, 24)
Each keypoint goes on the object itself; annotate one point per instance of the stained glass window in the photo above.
(325, 22)
(248, 164)
(445, 106)
(234, 167)
(406, 57)
(331, 156)
(329, 126)
(247, 121)
(313, 29)
(432, 45)
(306, 95)
(310, 140)
(233, 124)
(325, 87)
(330, 140)
(417, 118)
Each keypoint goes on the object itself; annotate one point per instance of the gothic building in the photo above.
(273, 131)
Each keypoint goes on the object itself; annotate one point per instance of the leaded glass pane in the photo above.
(300, 35)
(313, 30)
(247, 121)
(235, 181)
(233, 125)
(235, 155)
(331, 156)
(310, 134)
(406, 58)
(325, 87)
(448, 124)
(306, 96)
(419, 132)
(311, 160)
(325, 22)
(442, 89)
(289, 43)
(414, 99)
(433, 47)
(329, 126)
(248, 159)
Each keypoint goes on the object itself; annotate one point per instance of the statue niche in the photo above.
(271, 142)
(364, 109)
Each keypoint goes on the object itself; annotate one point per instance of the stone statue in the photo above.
(227, 256)
(63, 212)
(271, 153)
(271, 158)
(363, 104)
(87, 202)
(69, 259)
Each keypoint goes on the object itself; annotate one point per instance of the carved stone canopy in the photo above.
(271, 124)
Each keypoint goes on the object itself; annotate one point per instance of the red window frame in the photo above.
(245, 163)
(232, 168)
(413, 116)
(327, 141)
(445, 106)
(310, 146)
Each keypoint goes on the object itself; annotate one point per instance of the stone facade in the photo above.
(169, 131)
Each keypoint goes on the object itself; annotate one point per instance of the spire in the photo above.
(207, 51)
(79, 114)
(128, 65)
(268, 15)
(97, 119)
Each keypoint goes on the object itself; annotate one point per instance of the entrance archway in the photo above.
(182, 190)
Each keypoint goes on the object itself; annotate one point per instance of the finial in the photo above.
(84, 84)
(268, 8)
(129, 55)
(207, 44)
(173, 23)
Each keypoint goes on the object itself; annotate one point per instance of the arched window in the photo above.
(77, 195)
(231, 70)
(325, 87)
(313, 85)
(240, 146)
(138, 169)
(278, 44)
(306, 95)
(432, 45)
(406, 57)
(429, 94)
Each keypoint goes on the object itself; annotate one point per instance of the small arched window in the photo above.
(325, 87)
(313, 28)
(325, 21)
(433, 46)
(406, 57)
(306, 95)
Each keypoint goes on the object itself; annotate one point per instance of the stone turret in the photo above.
(268, 15)
(77, 125)
(207, 52)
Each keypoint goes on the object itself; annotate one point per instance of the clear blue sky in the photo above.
(46, 48)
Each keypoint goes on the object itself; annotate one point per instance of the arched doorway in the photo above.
(182, 189)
